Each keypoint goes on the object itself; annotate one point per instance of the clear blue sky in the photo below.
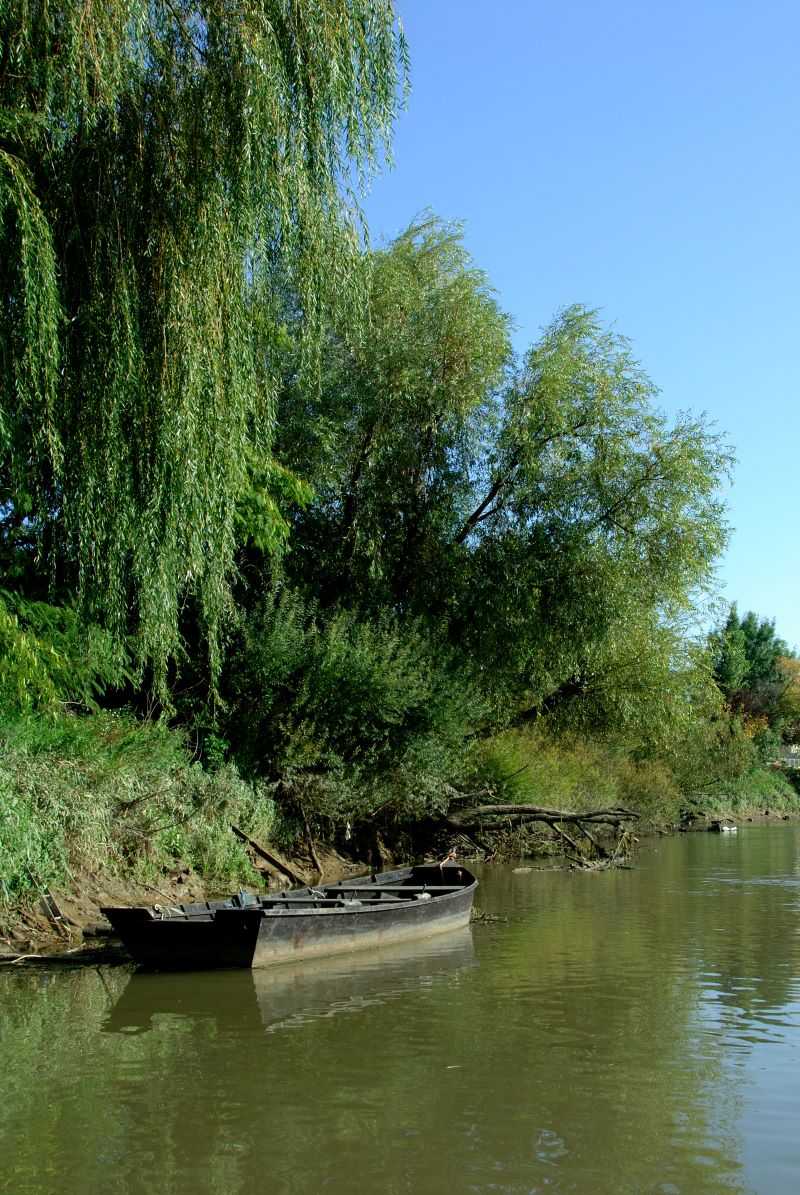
(643, 159)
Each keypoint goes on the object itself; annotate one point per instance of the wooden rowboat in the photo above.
(248, 930)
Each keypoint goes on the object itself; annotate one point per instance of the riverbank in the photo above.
(108, 809)
(65, 919)
(65, 924)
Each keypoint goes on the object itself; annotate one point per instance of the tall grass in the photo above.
(104, 791)
(567, 772)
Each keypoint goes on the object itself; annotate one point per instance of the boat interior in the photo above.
(342, 894)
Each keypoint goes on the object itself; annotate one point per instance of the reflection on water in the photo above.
(292, 996)
(620, 1032)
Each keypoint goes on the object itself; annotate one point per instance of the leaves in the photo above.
(597, 524)
(753, 668)
(160, 165)
(407, 400)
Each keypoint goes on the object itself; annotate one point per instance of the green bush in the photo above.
(536, 767)
(31, 845)
(48, 656)
(759, 789)
(347, 715)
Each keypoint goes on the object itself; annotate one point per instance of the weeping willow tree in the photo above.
(162, 163)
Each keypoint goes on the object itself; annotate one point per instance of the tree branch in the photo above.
(481, 511)
(273, 860)
(476, 814)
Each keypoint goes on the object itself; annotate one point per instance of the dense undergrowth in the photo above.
(111, 794)
(118, 795)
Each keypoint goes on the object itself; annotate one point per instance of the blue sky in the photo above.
(642, 159)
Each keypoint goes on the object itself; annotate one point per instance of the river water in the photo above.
(620, 1032)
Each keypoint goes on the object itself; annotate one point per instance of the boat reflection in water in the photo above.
(289, 996)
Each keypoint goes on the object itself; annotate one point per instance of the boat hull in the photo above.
(352, 915)
(315, 935)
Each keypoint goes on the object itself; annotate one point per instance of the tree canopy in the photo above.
(543, 518)
(597, 509)
(754, 668)
(162, 163)
(392, 442)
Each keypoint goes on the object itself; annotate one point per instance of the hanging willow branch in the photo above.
(163, 164)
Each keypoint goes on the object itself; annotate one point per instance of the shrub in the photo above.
(346, 715)
(534, 766)
(48, 655)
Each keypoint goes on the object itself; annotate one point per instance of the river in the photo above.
(621, 1032)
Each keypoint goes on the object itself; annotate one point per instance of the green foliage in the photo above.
(730, 656)
(346, 715)
(537, 767)
(269, 490)
(406, 404)
(599, 523)
(27, 666)
(162, 163)
(552, 528)
(751, 667)
(108, 792)
(542, 530)
(789, 700)
(643, 682)
(303, 487)
(47, 657)
(718, 772)
(31, 849)
(755, 791)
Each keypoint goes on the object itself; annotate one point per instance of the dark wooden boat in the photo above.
(248, 930)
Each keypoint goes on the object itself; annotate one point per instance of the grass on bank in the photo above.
(113, 794)
(117, 795)
(530, 766)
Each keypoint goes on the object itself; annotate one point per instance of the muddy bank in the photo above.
(66, 922)
(66, 925)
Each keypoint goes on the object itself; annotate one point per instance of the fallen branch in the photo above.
(274, 860)
(579, 855)
(491, 818)
(602, 853)
(477, 814)
(56, 914)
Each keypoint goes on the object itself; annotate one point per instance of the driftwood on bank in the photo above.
(476, 815)
(274, 860)
(496, 816)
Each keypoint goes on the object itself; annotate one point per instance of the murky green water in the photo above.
(625, 1032)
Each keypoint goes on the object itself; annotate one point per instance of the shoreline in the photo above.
(66, 928)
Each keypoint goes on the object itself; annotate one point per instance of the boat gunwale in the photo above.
(292, 902)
